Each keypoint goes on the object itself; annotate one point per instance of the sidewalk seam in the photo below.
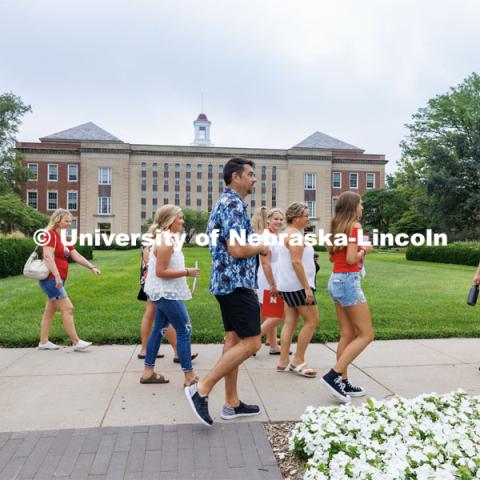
(117, 387)
(258, 393)
(367, 374)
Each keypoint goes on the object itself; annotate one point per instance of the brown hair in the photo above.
(345, 216)
(294, 210)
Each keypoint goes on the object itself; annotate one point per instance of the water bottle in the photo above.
(472, 296)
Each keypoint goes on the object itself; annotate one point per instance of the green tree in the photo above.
(382, 207)
(12, 173)
(17, 215)
(195, 222)
(441, 156)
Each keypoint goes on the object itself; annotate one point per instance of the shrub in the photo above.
(458, 253)
(14, 252)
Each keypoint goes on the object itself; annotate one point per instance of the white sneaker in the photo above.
(81, 345)
(47, 346)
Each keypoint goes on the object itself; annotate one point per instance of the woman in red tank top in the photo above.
(344, 287)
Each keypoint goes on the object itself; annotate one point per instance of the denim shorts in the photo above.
(52, 292)
(345, 288)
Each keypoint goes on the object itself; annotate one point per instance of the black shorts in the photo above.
(298, 298)
(240, 312)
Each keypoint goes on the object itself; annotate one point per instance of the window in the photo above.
(370, 180)
(310, 181)
(33, 167)
(52, 172)
(104, 205)
(334, 204)
(52, 200)
(73, 226)
(202, 133)
(336, 180)
(32, 198)
(144, 167)
(177, 168)
(72, 173)
(188, 167)
(105, 228)
(104, 176)
(353, 180)
(311, 208)
(72, 200)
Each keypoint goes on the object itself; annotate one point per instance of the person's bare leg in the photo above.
(47, 319)
(347, 333)
(146, 326)
(310, 320)
(229, 361)
(359, 315)
(231, 393)
(289, 326)
(269, 329)
(66, 307)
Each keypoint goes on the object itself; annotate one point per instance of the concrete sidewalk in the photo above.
(45, 390)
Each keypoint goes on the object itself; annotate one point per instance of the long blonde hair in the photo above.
(345, 216)
(56, 217)
(259, 220)
(164, 217)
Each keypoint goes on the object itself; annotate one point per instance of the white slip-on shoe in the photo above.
(47, 346)
(81, 345)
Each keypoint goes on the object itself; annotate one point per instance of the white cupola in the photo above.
(202, 131)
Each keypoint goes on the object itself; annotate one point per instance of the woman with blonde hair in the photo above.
(296, 285)
(344, 287)
(271, 221)
(166, 286)
(149, 315)
(55, 255)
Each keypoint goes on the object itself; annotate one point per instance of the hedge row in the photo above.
(14, 252)
(458, 253)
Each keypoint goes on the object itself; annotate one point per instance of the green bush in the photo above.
(457, 253)
(14, 252)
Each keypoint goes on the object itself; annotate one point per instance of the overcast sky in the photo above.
(272, 71)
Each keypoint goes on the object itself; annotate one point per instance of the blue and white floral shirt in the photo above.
(228, 273)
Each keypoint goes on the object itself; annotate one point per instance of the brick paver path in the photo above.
(170, 452)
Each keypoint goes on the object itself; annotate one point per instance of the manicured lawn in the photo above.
(407, 300)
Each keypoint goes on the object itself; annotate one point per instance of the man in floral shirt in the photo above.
(233, 282)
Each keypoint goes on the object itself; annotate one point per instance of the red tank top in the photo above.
(340, 264)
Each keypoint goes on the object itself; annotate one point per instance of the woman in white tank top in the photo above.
(296, 284)
(273, 220)
(166, 286)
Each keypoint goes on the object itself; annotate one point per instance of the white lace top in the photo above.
(171, 288)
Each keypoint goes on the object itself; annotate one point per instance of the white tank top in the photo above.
(287, 280)
(171, 288)
(261, 278)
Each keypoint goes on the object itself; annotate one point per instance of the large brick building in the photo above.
(115, 186)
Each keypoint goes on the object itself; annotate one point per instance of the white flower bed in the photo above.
(432, 436)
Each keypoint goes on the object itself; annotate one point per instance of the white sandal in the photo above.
(284, 369)
(302, 371)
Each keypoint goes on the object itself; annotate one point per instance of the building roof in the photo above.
(87, 132)
(319, 140)
(202, 117)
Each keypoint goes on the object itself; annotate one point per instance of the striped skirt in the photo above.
(298, 298)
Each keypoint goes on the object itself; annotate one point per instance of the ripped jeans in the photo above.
(175, 313)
